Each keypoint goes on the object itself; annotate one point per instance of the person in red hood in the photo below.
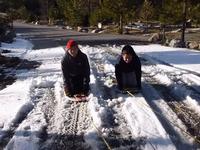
(128, 70)
(76, 70)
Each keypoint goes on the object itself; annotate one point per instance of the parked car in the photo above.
(134, 26)
(131, 26)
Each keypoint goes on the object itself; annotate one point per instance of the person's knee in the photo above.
(86, 87)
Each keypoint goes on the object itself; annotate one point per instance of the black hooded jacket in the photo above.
(133, 66)
(75, 67)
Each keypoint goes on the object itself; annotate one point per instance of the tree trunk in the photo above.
(120, 24)
(163, 34)
(146, 26)
(184, 23)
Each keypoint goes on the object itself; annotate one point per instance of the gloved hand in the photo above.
(66, 89)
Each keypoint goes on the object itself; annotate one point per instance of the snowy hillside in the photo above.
(35, 114)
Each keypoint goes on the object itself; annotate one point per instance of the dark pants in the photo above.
(78, 85)
(125, 80)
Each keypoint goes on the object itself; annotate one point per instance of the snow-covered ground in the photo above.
(34, 113)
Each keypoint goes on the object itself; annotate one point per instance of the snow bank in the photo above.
(144, 123)
(178, 57)
(18, 48)
(15, 103)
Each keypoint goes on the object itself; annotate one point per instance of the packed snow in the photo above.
(23, 104)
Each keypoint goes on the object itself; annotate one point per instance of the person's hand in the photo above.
(66, 89)
(86, 88)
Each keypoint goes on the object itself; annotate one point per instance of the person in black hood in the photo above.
(76, 70)
(128, 70)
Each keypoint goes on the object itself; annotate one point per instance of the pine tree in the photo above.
(147, 12)
(76, 12)
(194, 12)
(119, 9)
(171, 12)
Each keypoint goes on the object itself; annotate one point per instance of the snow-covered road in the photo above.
(35, 114)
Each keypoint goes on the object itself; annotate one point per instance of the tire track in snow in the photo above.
(68, 124)
(176, 105)
(22, 115)
(184, 85)
(31, 129)
(180, 95)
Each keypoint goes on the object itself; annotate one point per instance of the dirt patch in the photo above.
(8, 62)
(9, 66)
